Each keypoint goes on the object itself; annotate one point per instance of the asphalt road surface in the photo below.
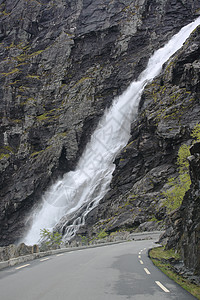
(114, 272)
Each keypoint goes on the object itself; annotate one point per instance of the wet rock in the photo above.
(60, 67)
(169, 110)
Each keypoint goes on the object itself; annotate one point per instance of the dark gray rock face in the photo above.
(183, 231)
(61, 63)
(169, 110)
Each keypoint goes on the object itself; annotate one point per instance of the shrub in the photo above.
(50, 238)
(102, 235)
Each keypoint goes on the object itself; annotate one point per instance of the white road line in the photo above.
(162, 287)
(147, 271)
(140, 252)
(141, 262)
(44, 259)
(139, 256)
(60, 254)
(22, 266)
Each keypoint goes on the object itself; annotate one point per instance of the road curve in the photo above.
(114, 272)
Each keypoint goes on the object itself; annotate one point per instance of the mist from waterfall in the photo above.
(90, 181)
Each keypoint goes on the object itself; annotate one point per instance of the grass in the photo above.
(13, 71)
(33, 76)
(161, 257)
(2, 155)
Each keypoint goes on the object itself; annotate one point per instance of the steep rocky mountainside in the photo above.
(183, 232)
(169, 110)
(61, 64)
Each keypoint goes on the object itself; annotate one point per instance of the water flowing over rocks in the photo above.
(60, 67)
(169, 110)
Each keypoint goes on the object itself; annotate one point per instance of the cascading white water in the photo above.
(88, 184)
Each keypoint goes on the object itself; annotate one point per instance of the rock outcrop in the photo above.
(13, 251)
(183, 231)
(61, 64)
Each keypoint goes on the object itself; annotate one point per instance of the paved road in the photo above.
(114, 272)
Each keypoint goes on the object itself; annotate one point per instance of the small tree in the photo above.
(84, 239)
(51, 238)
(102, 235)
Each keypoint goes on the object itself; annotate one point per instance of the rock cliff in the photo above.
(61, 64)
(183, 231)
(169, 110)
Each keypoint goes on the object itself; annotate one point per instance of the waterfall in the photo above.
(90, 181)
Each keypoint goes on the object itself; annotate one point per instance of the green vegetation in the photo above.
(154, 219)
(160, 253)
(51, 238)
(6, 152)
(196, 133)
(102, 235)
(84, 239)
(14, 82)
(13, 71)
(8, 148)
(25, 56)
(161, 258)
(183, 153)
(4, 155)
(4, 13)
(51, 114)
(33, 76)
(34, 154)
(12, 45)
(180, 185)
(29, 100)
(43, 117)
